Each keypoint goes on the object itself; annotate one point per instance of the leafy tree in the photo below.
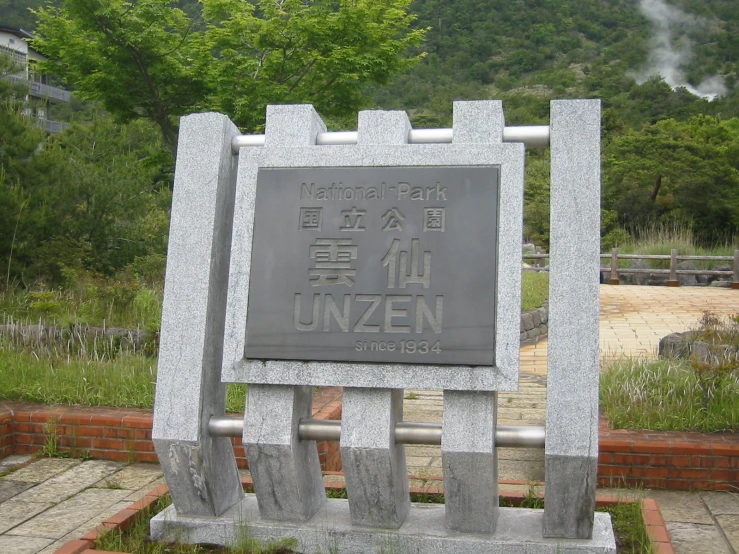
(687, 169)
(140, 59)
(91, 201)
(148, 59)
(18, 140)
(293, 51)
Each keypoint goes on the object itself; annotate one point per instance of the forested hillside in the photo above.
(537, 49)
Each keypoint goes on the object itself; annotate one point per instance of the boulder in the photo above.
(720, 278)
(685, 345)
(687, 280)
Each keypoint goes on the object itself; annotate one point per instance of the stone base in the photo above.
(519, 531)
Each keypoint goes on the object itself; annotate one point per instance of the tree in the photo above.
(688, 170)
(18, 140)
(293, 51)
(140, 59)
(148, 59)
(91, 200)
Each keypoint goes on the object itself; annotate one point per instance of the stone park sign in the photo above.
(378, 260)
(374, 265)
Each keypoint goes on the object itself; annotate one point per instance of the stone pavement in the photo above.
(49, 501)
(633, 320)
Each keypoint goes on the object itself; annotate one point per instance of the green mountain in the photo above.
(529, 51)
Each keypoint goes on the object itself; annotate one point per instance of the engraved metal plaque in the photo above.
(374, 264)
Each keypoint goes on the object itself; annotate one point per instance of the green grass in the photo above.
(126, 380)
(669, 395)
(135, 540)
(59, 375)
(629, 528)
(534, 290)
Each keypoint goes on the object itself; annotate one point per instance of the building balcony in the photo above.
(39, 90)
(50, 126)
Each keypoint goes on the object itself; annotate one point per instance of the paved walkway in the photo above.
(50, 501)
(633, 320)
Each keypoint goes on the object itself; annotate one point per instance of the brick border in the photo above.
(656, 527)
(122, 434)
(668, 459)
(628, 458)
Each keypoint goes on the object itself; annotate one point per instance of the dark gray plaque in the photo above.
(380, 264)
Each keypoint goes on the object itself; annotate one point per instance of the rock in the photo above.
(684, 345)
(527, 322)
(658, 279)
(720, 278)
(721, 284)
(536, 316)
(687, 280)
(544, 313)
(675, 345)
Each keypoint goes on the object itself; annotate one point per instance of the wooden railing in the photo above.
(540, 258)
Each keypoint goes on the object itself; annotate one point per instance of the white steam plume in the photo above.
(666, 59)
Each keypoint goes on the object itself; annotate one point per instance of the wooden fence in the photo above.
(674, 258)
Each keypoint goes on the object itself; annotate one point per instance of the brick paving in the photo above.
(632, 321)
(48, 502)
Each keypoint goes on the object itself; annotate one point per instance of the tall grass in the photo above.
(669, 395)
(87, 299)
(661, 237)
(56, 376)
(79, 371)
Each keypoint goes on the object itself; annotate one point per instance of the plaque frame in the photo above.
(502, 376)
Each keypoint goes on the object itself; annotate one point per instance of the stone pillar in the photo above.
(374, 466)
(200, 470)
(571, 456)
(286, 470)
(468, 452)
(469, 461)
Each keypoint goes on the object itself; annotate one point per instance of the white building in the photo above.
(14, 43)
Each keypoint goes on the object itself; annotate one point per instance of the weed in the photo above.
(51, 440)
(336, 493)
(411, 396)
(629, 528)
(533, 499)
(669, 395)
(112, 484)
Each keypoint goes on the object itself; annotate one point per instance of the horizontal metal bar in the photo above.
(506, 436)
(417, 433)
(319, 430)
(533, 136)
